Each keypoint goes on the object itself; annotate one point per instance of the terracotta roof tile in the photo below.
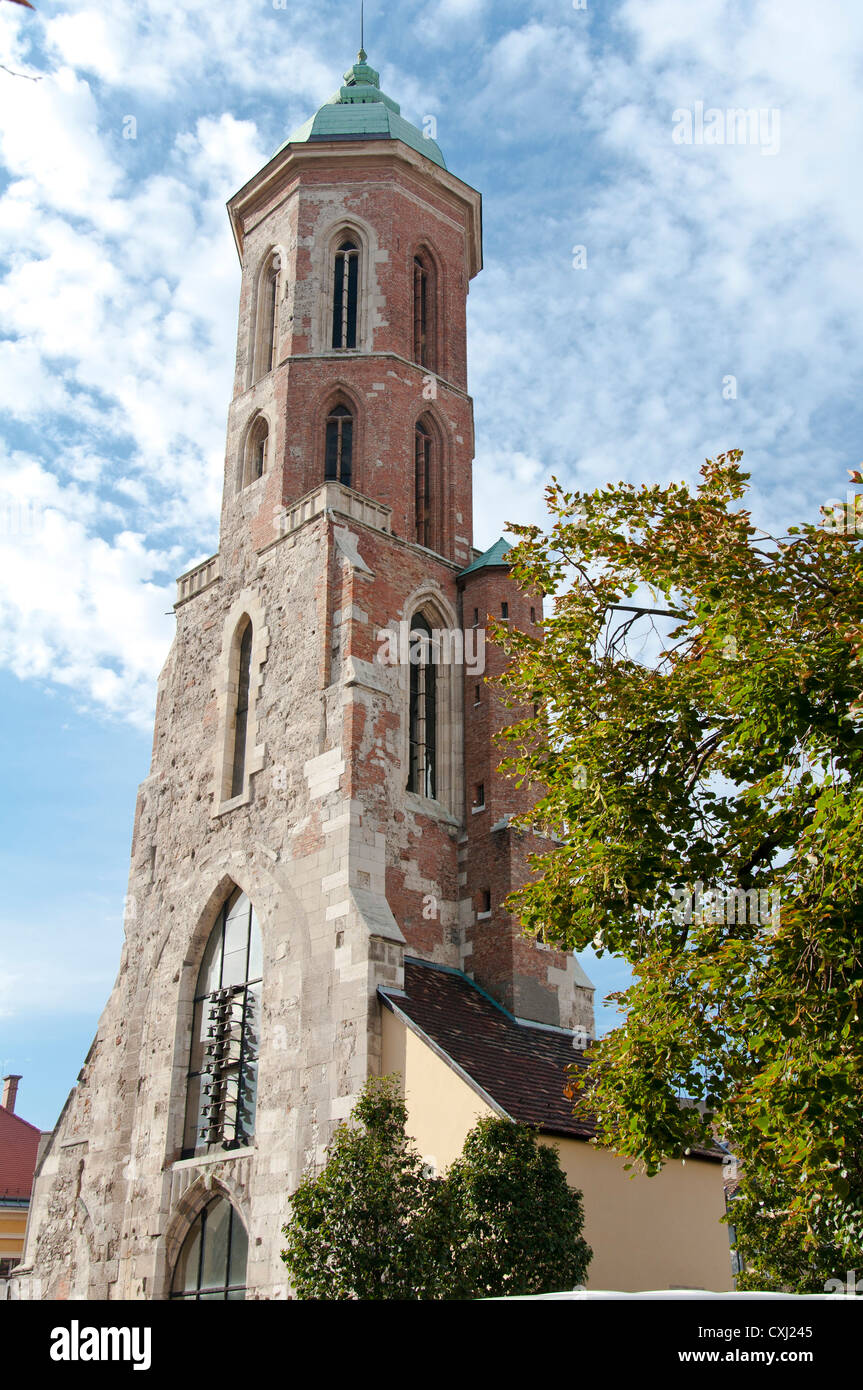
(520, 1066)
(19, 1142)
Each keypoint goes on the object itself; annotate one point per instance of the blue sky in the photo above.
(118, 296)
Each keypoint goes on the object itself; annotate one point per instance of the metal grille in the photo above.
(223, 1064)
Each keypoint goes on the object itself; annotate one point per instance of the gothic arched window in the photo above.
(255, 455)
(423, 484)
(223, 1063)
(338, 456)
(213, 1258)
(241, 711)
(266, 318)
(422, 714)
(425, 317)
(346, 276)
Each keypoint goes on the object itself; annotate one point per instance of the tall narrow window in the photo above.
(241, 720)
(424, 313)
(423, 483)
(212, 1261)
(422, 715)
(266, 318)
(255, 457)
(259, 455)
(269, 323)
(346, 276)
(338, 456)
(223, 1064)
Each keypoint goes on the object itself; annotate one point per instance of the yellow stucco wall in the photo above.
(13, 1224)
(646, 1233)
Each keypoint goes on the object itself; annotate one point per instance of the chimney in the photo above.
(10, 1091)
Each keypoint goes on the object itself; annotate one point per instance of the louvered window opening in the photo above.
(422, 774)
(345, 290)
(422, 485)
(424, 325)
(338, 461)
(241, 716)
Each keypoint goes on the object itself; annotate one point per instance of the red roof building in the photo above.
(19, 1147)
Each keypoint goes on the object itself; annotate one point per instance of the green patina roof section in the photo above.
(495, 555)
(360, 111)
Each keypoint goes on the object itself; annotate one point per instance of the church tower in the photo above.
(323, 803)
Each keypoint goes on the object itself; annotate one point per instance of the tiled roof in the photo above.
(520, 1067)
(495, 555)
(19, 1142)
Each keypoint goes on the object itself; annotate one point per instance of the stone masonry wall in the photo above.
(346, 868)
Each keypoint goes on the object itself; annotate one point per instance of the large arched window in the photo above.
(212, 1262)
(425, 316)
(241, 711)
(422, 715)
(265, 344)
(346, 278)
(338, 456)
(223, 1063)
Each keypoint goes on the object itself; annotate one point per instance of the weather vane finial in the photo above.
(362, 53)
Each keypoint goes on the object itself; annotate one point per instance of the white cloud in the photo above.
(120, 282)
(76, 609)
(702, 263)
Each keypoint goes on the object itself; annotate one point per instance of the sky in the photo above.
(647, 301)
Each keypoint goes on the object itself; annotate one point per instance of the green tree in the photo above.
(517, 1224)
(698, 732)
(371, 1226)
(366, 1227)
(779, 1248)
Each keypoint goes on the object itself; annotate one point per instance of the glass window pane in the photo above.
(239, 907)
(256, 951)
(251, 1043)
(234, 967)
(186, 1272)
(211, 965)
(239, 1253)
(199, 1035)
(214, 1267)
(236, 946)
(194, 1118)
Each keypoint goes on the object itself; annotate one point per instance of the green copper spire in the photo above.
(361, 111)
(362, 83)
(362, 74)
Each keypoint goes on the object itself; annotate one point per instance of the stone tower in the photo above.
(323, 798)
